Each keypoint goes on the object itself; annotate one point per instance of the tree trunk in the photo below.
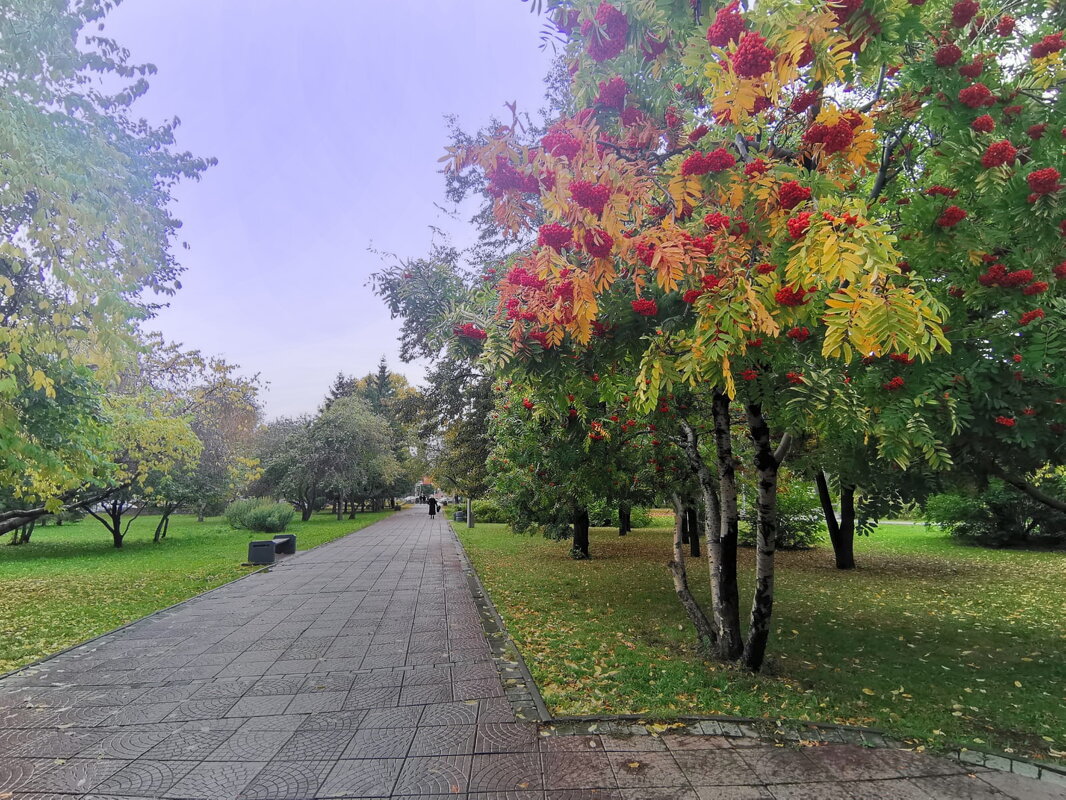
(711, 517)
(842, 532)
(696, 615)
(200, 511)
(722, 550)
(762, 604)
(469, 512)
(624, 525)
(305, 511)
(117, 533)
(692, 515)
(686, 523)
(338, 508)
(580, 550)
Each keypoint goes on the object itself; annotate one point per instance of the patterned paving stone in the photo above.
(443, 740)
(506, 772)
(75, 776)
(505, 737)
(187, 746)
(250, 746)
(286, 780)
(145, 778)
(646, 769)
(362, 778)
(215, 781)
(715, 768)
(380, 743)
(315, 745)
(445, 775)
(577, 771)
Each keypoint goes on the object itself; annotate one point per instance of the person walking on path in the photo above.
(433, 506)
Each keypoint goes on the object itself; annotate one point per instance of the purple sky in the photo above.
(326, 117)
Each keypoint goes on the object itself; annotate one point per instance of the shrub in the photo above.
(999, 516)
(487, 511)
(604, 514)
(799, 518)
(261, 516)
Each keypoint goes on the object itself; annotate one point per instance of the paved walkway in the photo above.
(359, 670)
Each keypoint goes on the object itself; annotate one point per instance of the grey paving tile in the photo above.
(505, 772)
(429, 775)
(215, 780)
(362, 778)
(380, 743)
(287, 780)
(646, 769)
(577, 771)
(145, 778)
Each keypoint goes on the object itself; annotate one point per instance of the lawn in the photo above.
(70, 584)
(929, 639)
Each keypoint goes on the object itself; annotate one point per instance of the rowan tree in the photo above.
(749, 196)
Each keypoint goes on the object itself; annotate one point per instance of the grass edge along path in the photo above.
(69, 584)
(929, 640)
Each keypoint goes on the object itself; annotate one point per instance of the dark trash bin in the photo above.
(459, 516)
(261, 552)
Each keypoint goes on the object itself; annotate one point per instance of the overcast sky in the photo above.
(326, 117)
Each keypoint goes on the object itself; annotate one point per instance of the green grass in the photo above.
(70, 583)
(929, 640)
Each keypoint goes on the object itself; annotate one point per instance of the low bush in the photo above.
(799, 518)
(999, 516)
(261, 516)
(487, 511)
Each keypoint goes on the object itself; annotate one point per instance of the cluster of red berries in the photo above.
(983, 124)
(765, 268)
(1035, 132)
(527, 403)
(506, 178)
(799, 334)
(804, 100)
(749, 374)
(791, 194)
(902, 358)
(893, 385)
(1005, 25)
(947, 55)
(941, 191)
(1059, 271)
(652, 48)
(540, 337)
(1044, 181)
(752, 58)
(646, 308)
(727, 26)
(716, 220)
(555, 236)
(974, 69)
(632, 116)
(468, 330)
(999, 154)
(794, 378)
(692, 295)
(697, 133)
(645, 252)
(950, 217)
(755, 168)
(561, 143)
(520, 276)
(833, 138)
(798, 225)
(1047, 46)
(792, 296)
(607, 36)
(613, 93)
(714, 161)
(977, 96)
(963, 11)
(598, 243)
(564, 291)
(710, 282)
(592, 196)
(704, 244)
(1006, 422)
(1031, 316)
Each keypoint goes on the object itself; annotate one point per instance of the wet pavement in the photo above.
(360, 669)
